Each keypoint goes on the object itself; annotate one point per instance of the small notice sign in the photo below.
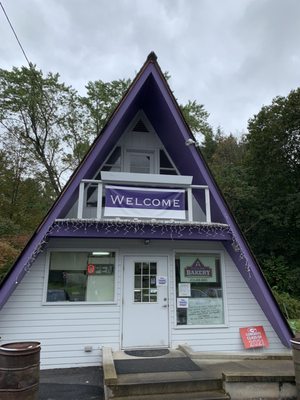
(182, 302)
(254, 336)
(161, 281)
(184, 289)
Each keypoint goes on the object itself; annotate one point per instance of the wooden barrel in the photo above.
(19, 370)
(296, 355)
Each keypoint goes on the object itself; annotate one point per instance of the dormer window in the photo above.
(139, 162)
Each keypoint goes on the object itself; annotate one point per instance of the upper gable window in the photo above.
(165, 165)
(140, 162)
(114, 161)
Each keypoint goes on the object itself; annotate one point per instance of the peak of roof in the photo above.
(152, 56)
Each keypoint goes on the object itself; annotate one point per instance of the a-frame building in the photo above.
(140, 250)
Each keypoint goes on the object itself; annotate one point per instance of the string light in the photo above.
(173, 229)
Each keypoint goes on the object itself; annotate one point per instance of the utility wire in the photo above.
(16, 36)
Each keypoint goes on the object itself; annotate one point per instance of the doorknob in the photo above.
(165, 305)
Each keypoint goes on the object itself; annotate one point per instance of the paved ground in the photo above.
(87, 383)
(71, 384)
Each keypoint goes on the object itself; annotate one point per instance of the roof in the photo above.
(150, 91)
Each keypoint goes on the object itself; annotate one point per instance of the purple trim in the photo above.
(137, 230)
(164, 114)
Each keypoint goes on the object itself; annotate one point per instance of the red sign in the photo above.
(254, 336)
(91, 269)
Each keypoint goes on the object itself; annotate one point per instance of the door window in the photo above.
(145, 289)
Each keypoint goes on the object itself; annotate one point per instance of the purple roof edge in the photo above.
(256, 283)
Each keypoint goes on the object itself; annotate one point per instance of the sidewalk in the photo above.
(71, 384)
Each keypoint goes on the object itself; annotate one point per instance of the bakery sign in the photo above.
(196, 270)
(123, 201)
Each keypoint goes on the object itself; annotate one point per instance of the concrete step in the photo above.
(205, 395)
(163, 383)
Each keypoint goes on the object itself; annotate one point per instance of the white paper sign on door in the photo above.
(161, 281)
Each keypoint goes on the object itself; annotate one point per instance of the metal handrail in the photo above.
(101, 183)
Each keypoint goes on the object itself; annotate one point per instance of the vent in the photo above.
(140, 127)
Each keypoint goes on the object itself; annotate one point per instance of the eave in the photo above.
(139, 229)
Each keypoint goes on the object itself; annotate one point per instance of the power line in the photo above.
(16, 36)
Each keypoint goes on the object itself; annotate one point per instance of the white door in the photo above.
(145, 302)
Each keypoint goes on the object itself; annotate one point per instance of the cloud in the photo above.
(232, 56)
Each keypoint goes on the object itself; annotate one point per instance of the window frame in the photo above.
(220, 253)
(131, 152)
(78, 250)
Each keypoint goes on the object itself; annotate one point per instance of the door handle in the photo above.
(165, 306)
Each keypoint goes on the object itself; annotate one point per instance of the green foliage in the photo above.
(101, 100)
(273, 165)
(289, 306)
(35, 112)
(295, 325)
(196, 117)
(8, 255)
(277, 273)
(8, 227)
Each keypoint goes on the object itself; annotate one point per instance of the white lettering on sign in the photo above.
(144, 202)
(134, 201)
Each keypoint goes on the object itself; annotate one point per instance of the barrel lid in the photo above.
(20, 346)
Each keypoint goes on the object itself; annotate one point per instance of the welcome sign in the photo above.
(121, 201)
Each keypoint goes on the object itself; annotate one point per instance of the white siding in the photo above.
(243, 310)
(64, 330)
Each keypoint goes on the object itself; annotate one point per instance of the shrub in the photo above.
(289, 305)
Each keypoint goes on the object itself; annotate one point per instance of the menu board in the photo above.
(205, 311)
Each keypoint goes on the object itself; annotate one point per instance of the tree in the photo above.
(100, 101)
(228, 166)
(196, 117)
(35, 110)
(273, 162)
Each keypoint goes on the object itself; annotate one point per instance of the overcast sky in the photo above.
(233, 56)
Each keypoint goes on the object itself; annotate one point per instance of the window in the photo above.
(199, 289)
(165, 165)
(145, 289)
(139, 162)
(81, 276)
(113, 163)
